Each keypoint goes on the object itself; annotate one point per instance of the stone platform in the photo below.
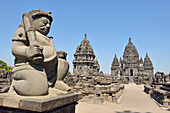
(52, 104)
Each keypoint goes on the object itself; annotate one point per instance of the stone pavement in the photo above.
(134, 100)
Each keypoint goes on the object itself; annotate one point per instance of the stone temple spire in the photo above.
(115, 66)
(85, 44)
(148, 66)
(147, 59)
(141, 60)
(85, 58)
(115, 60)
(147, 62)
(115, 63)
(96, 60)
(120, 60)
(130, 55)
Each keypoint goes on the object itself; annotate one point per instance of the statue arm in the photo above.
(19, 50)
(25, 46)
(34, 52)
(23, 52)
(29, 28)
(19, 44)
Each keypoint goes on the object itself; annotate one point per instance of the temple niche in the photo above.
(85, 62)
(132, 68)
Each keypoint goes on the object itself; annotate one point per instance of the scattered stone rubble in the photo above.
(160, 77)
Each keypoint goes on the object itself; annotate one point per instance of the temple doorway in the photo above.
(131, 72)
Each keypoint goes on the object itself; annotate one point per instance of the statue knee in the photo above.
(31, 83)
(63, 65)
(62, 68)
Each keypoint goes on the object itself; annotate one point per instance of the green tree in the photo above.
(3, 63)
(4, 67)
(69, 73)
(8, 68)
(1, 66)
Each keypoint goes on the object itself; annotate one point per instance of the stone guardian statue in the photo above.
(38, 69)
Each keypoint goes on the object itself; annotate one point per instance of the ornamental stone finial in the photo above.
(130, 41)
(115, 56)
(85, 36)
(146, 54)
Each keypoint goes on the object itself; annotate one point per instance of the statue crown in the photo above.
(35, 13)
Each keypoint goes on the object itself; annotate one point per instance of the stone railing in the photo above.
(102, 94)
(166, 86)
(148, 89)
(114, 94)
(161, 96)
(160, 93)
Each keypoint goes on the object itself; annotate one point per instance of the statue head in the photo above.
(42, 21)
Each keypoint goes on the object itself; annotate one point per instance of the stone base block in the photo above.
(48, 104)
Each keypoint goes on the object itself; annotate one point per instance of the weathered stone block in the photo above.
(56, 104)
(110, 98)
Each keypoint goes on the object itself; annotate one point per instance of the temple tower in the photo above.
(148, 66)
(130, 60)
(131, 66)
(140, 66)
(115, 67)
(85, 62)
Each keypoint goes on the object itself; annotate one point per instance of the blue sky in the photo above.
(108, 24)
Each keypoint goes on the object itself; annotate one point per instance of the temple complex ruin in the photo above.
(95, 88)
(161, 77)
(5, 80)
(85, 62)
(86, 79)
(131, 68)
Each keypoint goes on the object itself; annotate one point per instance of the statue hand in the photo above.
(34, 53)
(37, 60)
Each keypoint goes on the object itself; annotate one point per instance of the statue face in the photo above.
(42, 25)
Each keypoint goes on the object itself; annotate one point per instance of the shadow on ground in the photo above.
(128, 111)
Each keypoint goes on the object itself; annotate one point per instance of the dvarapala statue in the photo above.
(39, 69)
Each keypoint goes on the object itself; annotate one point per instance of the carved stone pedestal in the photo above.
(48, 104)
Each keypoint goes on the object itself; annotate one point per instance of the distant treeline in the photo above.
(4, 67)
